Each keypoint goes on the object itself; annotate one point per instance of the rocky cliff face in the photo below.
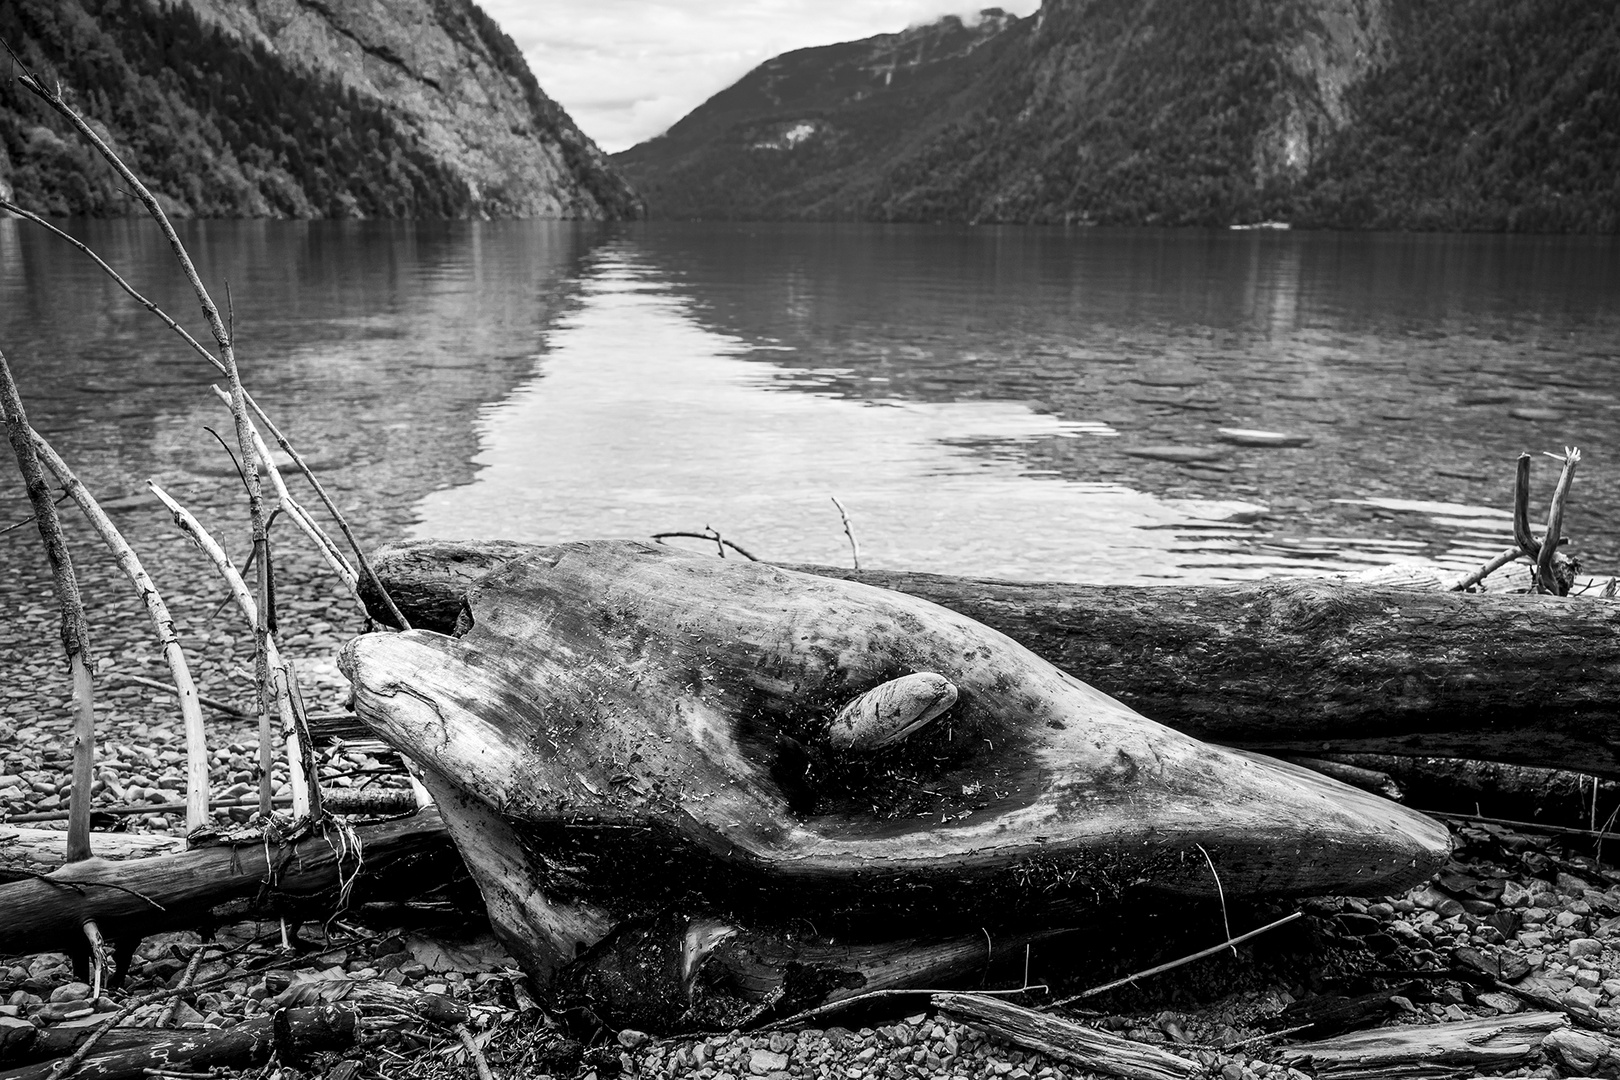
(454, 78)
(300, 108)
(1340, 113)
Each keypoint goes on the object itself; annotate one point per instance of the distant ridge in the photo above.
(1398, 114)
(342, 108)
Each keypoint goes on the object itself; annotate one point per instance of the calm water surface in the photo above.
(990, 401)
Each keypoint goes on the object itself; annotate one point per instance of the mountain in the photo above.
(1455, 114)
(294, 108)
(808, 133)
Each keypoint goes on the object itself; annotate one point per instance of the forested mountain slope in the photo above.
(1334, 113)
(249, 108)
(808, 133)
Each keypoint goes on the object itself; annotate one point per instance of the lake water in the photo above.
(983, 401)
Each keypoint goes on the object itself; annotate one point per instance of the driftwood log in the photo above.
(1283, 666)
(1066, 1041)
(290, 1035)
(131, 899)
(662, 763)
(1428, 1050)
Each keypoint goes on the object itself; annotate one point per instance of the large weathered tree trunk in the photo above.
(1288, 666)
(651, 759)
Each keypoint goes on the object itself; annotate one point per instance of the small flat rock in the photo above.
(761, 1062)
(1257, 437)
(1535, 412)
(1177, 453)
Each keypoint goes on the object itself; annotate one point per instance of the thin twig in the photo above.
(185, 688)
(212, 703)
(75, 631)
(844, 1004)
(849, 531)
(1173, 964)
(710, 535)
(1491, 566)
(1226, 923)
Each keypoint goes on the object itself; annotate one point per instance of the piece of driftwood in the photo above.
(1286, 666)
(1495, 788)
(290, 1035)
(1367, 779)
(1427, 1050)
(631, 740)
(131, 899)
(1064, 1040)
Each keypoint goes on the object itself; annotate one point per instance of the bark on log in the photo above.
(626, 731)
(129, 900)
(1427, 1050)
(1099, 1051)
(290, 1035)
(28, 852)
(1283, 666)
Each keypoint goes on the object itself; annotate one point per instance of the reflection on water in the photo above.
(1047, 403)
(642, 420)
(1025, 402)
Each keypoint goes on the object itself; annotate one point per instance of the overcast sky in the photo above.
(627, 69)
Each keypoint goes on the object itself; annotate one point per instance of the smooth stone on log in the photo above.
(628, 730)
(888, 713)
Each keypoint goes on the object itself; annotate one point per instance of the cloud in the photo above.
(627, 69)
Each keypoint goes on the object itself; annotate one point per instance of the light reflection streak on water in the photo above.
(640, 419)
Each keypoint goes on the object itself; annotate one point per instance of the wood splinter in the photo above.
(889, 712)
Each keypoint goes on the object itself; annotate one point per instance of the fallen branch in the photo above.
(172, 892)
(290, 1035)
(1495, 1043)
(1066, 1041)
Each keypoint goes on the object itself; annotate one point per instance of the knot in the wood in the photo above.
(891, 711)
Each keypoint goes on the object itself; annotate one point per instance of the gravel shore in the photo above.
(1515, 922)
